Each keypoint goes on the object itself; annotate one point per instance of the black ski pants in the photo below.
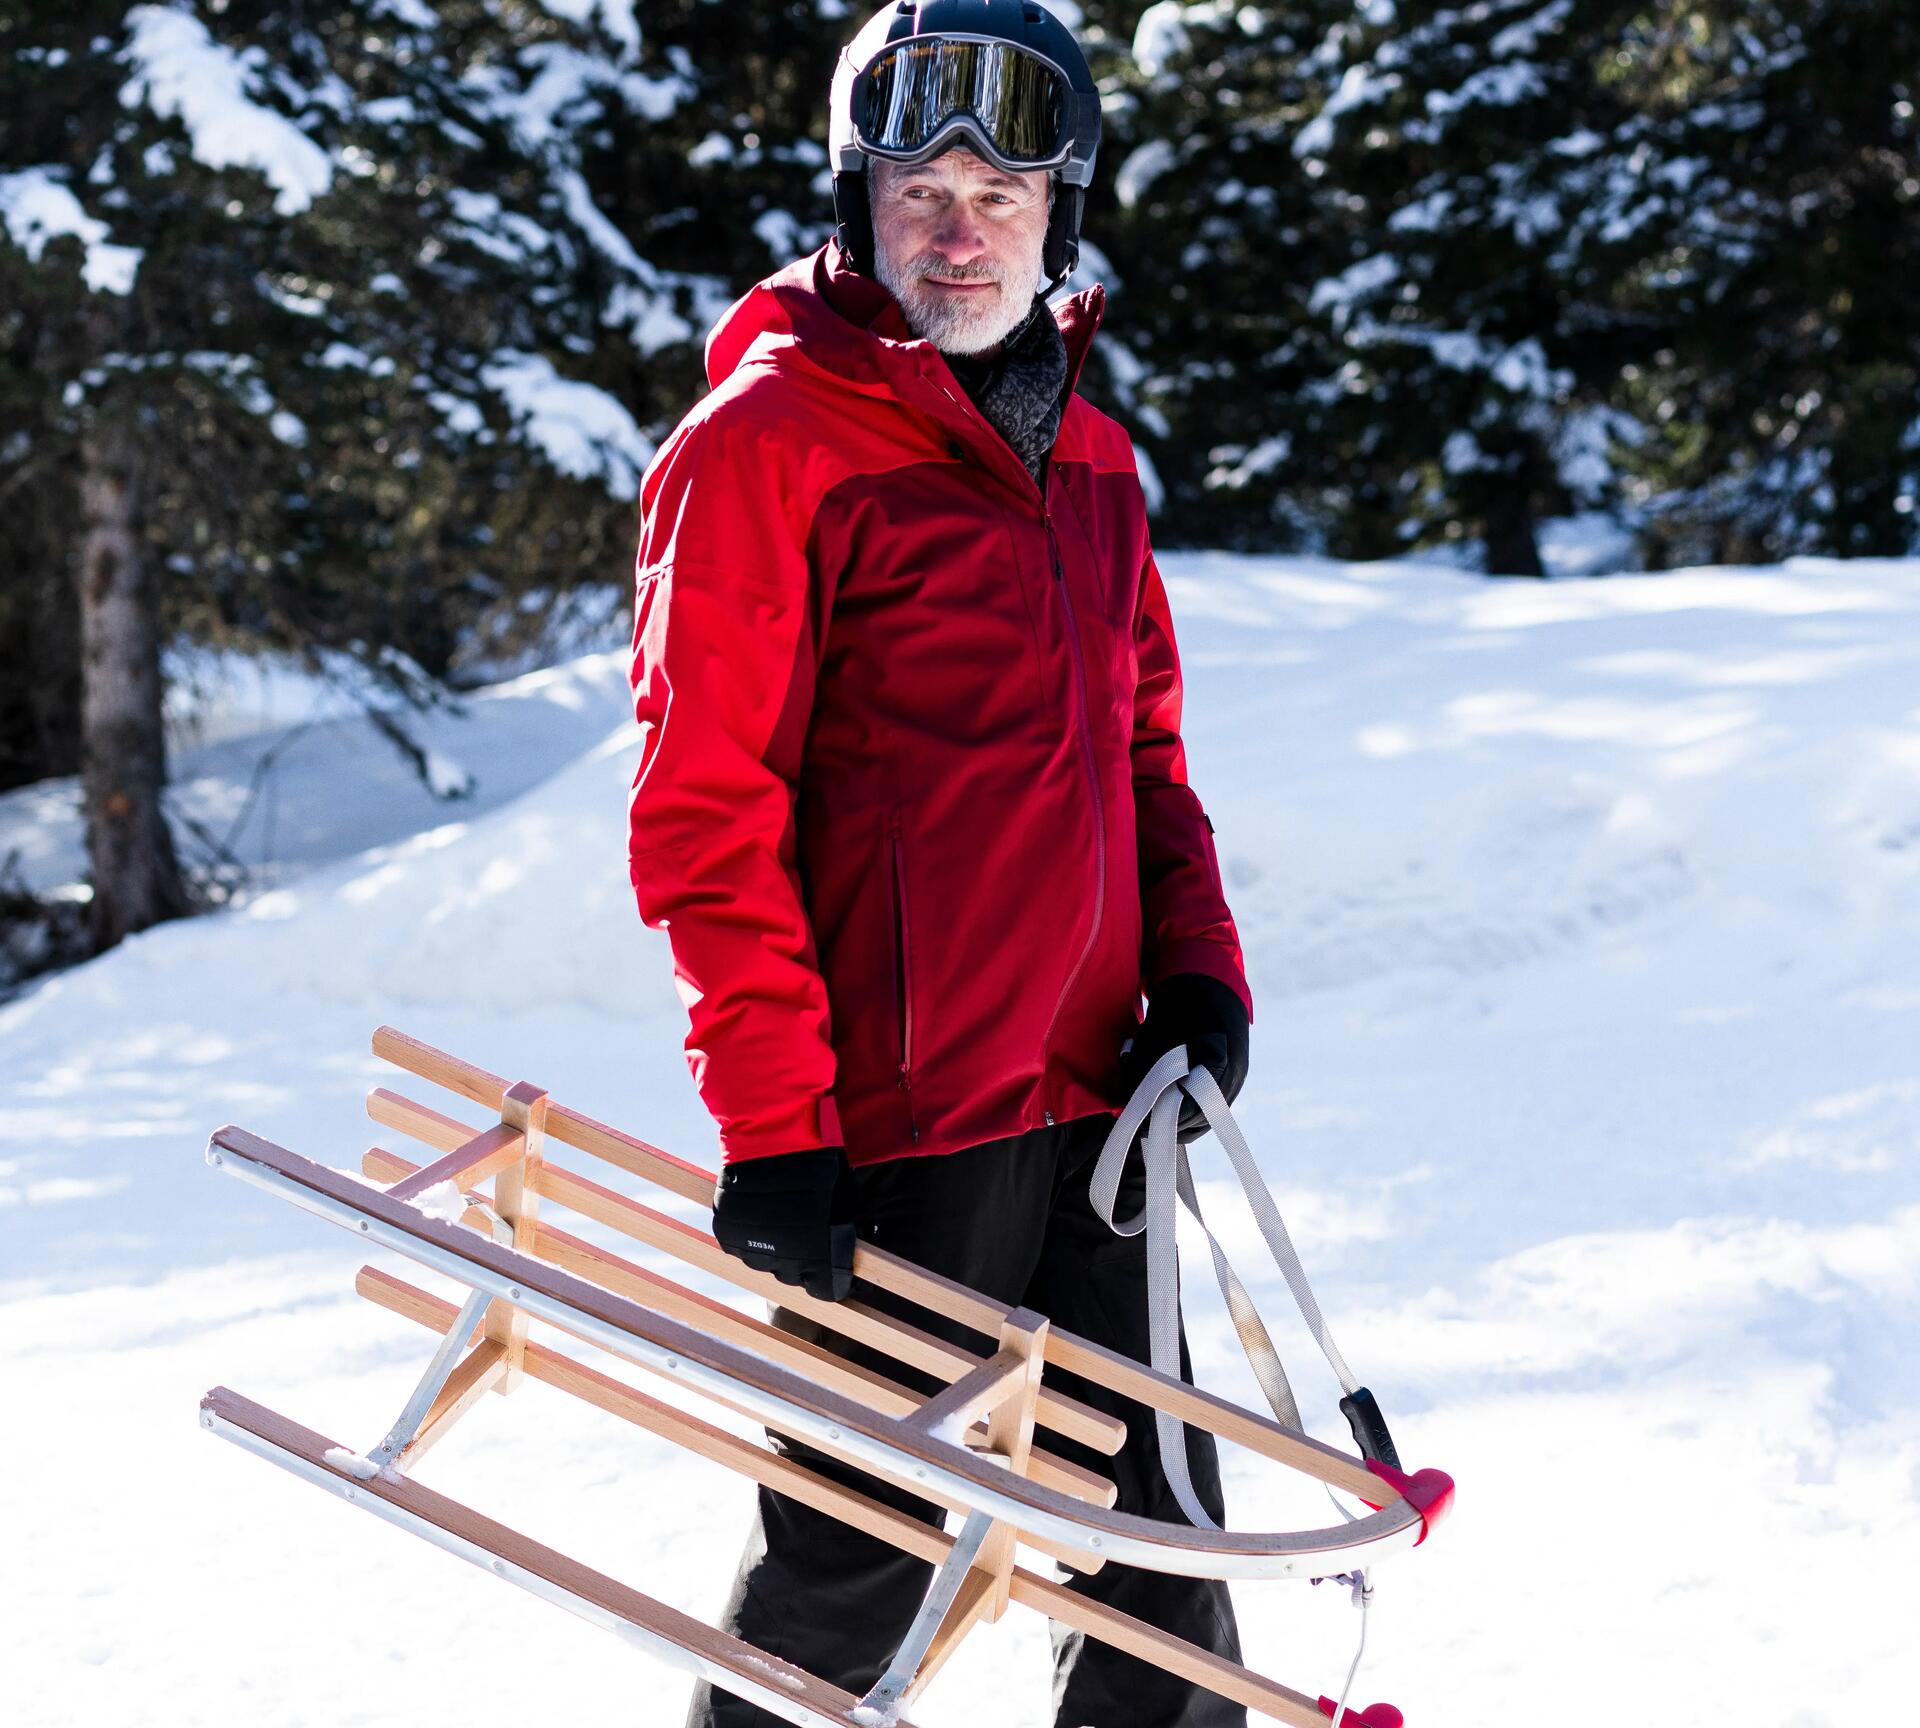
(1013, 1219)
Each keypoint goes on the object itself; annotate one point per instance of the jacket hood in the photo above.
(820, 313)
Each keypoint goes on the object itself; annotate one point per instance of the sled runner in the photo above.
(979, 1447)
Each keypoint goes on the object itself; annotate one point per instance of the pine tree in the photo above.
(1217, 234)
(1782, 399)
(327, 284)
(1479, 313)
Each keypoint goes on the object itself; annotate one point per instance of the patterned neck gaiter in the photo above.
(1020, 387)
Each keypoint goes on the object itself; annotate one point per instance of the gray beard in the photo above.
(952, 328)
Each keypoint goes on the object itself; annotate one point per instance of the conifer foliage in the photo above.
(326, 291)
(1412, 273)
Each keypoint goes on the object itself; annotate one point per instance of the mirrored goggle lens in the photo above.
(916, 88)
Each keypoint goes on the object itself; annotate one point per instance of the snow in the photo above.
(1497, 86)
(359, 1464)
(644, 302)
(1160, 36)
(564, 78)
(1142, 166)
(1359, 85)
(443, 1201)
(780, 231)
(1152, 488)
(284, 768)
(1524, 36)
(415, 14)
(37, 207)
(447, 778)
(951, 1429)
(583, 430)
(615, 17)
(1583, 924)
(503, 233)
(1360, 280)
(179, 70)
(1236, 465)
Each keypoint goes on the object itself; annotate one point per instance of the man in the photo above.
(912, 802)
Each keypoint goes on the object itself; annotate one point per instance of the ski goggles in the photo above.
(1015, 104)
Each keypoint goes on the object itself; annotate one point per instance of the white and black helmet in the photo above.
(1002, 76)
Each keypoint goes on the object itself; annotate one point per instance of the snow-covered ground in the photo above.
(1584, 928)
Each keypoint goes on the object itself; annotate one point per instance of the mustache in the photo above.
(934, 272)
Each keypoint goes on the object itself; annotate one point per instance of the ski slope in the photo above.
(1583, 920)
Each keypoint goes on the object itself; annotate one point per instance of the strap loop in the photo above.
(1156, 1101)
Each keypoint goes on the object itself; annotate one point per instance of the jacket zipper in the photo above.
(1086, 731)
(903, 980)
(1093, 783)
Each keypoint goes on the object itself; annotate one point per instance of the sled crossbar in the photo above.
(974, 1446)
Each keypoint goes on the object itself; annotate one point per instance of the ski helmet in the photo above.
(1004, 77)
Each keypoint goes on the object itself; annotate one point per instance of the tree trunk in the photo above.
(136, 877)
(1512, 549)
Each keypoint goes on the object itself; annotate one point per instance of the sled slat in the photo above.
(429, 1126)
(571, 1128)
(679, 1303)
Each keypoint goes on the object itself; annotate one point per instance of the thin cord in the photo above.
(1363, 1600)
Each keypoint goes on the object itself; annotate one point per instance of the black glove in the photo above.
(1197, 1010)
(791, 1214)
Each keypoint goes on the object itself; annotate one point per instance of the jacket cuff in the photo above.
(814, 1122)
(1198, 956)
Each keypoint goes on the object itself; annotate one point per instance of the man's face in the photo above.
(957, 242)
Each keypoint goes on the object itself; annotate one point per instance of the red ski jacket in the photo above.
(912, 803)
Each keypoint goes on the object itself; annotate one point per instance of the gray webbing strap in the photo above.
(1156, 1101)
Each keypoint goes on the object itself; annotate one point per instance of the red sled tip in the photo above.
(1374, 1716)
(1428, 1492)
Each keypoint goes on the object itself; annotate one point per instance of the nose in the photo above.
(960, 237)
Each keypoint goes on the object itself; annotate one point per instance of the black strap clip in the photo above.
(1369, 1427)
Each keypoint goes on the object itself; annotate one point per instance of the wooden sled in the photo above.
(978, 1447)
